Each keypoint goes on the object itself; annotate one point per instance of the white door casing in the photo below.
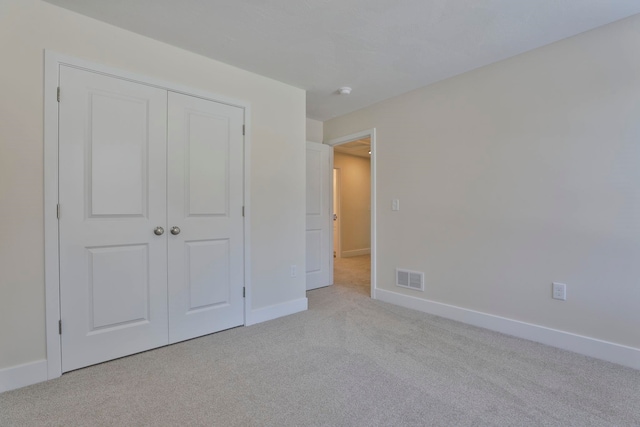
(123, 177)
(206, 277)
(369, 133)
(112, 195)
(319, 228)
(336, 213)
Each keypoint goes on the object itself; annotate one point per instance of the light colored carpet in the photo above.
(347, 361)
(354, 273)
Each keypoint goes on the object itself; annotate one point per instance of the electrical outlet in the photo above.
(294, 271)
(559, 291)
(395, 205)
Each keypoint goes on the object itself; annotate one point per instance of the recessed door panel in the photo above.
(112, 177)
(118, 286)
(208, 274)
(118, 146)
(314, 251)
(315, 184)
(207, 146)
(205, 187)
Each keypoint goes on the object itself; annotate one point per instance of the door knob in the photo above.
(158, 231)
(175, 230)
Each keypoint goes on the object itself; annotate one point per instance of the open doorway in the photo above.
(354, 212)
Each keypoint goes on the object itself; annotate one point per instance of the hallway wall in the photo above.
(355, 203)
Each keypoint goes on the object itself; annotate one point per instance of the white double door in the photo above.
(151, 227)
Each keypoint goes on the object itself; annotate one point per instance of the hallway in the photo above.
(353, 272)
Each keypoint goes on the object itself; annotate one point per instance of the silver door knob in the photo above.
(158, 231)
(175, 230)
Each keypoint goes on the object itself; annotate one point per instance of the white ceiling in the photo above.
(381, 48)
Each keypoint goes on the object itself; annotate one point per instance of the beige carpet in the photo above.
(347, 361)
(354, 273)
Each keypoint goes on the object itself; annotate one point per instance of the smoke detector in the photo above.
(346, 90)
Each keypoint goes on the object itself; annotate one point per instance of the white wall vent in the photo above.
(410, 279)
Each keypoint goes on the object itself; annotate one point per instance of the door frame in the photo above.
(52, 63)
(371, 134)
(337, 242)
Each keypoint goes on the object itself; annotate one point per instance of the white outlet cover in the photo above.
(559, 291)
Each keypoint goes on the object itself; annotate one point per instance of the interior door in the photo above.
(319, 229)
(205, 188)
(112, 178)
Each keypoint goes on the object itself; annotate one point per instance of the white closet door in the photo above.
(319, 232)
(205, 188)
(113, 276)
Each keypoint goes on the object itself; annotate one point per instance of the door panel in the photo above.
(207, 168)
(208, 262)
(112, 175)
(319, 245)
(118, 296)
(205, 187)
(117, 167)
(314, 251)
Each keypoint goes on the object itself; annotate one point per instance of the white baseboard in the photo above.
(23, 375)
(356, 252)
(611, 352)
(278, 310)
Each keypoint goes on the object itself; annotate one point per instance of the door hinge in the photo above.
(58, 95)
(59, 327)
(243, 129)
(243, 292)
(243, 211)
(58, 210)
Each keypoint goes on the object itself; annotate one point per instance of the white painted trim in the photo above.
(352, 137)
(119, 73)
(374, 204)
(356, 252)
(611, 352)
(51, 254)
(371, 133)
(337, 244)
(278, 310)
(247, 213)
(52, 63)
(23, 375)
(331, 260)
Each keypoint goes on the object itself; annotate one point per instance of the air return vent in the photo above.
(410, 279)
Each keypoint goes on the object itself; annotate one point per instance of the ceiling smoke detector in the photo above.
(344, 90)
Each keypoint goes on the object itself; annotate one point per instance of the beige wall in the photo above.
(355, 202)
(314, 131)
(516, 175)
(27, 27)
